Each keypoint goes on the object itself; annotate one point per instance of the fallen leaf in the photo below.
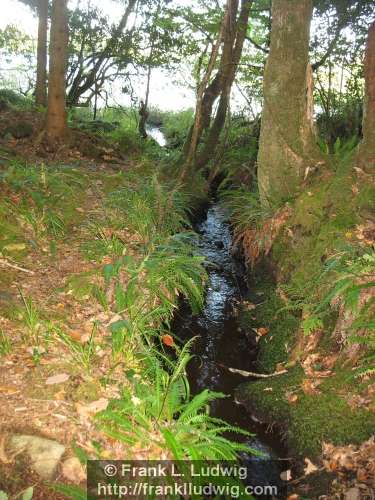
(14, 247)
(167, 340)
(262, 331)
(57, 379)
(86, 411)
(286, 475)
(309, 386)
(310, 467)
(291, 398)
(7, 389)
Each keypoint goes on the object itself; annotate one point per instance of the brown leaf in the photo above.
(310, 467)
(291, 398)
(57, 379)
(262, 331)
(309, 386)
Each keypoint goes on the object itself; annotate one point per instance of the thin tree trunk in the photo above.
(41, 65)
(193, 139)
(287, 143)
(366, 155)
(56, 112)
(143, 109)
(231, 58)
(234, 33)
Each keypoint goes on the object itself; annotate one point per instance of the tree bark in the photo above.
(232, 36)
(41, 65)
(233, 44)
(191, 144)
(287, 143)
(366, 156)
(56, 112)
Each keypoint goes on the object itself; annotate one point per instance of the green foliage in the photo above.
(31, 317)
(5, 344)
(157, 411)
(169, 269)
(70, 491)
(43, 200)
(153, 209)
(244, 208)
(176, 126)
(82, 353)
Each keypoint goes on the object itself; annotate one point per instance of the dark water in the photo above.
(220, 340)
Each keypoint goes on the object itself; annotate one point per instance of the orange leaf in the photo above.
(167, 340)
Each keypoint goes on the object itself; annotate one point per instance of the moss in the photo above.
(322, 222)
(282, 325)
(312, 419)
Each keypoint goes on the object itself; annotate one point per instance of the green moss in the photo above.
(312, 419)
(282, 325)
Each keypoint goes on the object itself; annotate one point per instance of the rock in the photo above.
(73, 470)
(44, 454)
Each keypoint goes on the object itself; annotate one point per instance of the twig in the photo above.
(252, 374)
(19, 268)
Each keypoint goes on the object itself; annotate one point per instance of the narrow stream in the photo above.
(220, 340)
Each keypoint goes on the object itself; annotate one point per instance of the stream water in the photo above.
(220, 340)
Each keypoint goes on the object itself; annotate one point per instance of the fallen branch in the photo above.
(252, 374)
(14, 266)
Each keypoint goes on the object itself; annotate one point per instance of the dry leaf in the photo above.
(310, 467)
(57, 379)
(167, 340)
(291, 398)
(309, 386)
(7, 389)
(86, 411)
(262, 331)
(286, 475)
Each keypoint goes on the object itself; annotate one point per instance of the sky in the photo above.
(164, 93)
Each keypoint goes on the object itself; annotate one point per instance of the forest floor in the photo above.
(57, 370)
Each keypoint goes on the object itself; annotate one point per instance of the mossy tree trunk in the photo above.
(287, 140)
(41, 65)
(56, 112)
(366, 155)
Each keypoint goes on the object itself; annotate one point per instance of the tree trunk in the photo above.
(287, 140)
(41, 65)
(143, 115)
(194, 136)
(233, 44)
(366, 156)
(56, 112)
(232, 36)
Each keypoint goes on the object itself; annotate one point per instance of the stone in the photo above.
(44, 454)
